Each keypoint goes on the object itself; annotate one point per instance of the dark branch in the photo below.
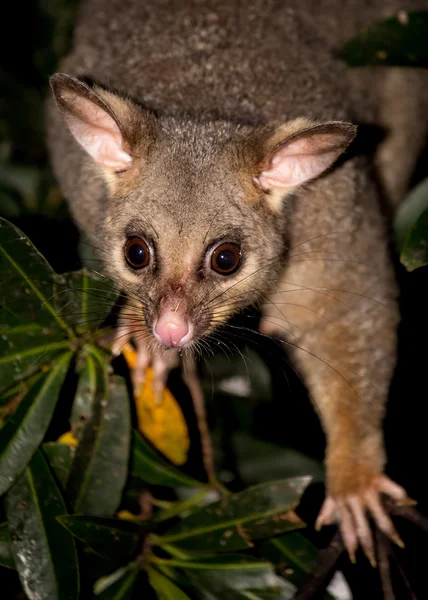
(323, 570)
(383, 547)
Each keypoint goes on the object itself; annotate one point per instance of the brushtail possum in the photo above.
(197, 141)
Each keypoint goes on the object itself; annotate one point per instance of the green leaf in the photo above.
(24, 349)
(165, 589)
(118, 585)
(25, 429)
(260, 461)
(398, 41)
(92, 373)
(105, 536)
(151, 468)
(84, 299)
(293, 555)
(409, 212)
(411, 228)
(44, 552)
(234, 522)
(6, 558)
(27, 280)
(59, 457)
(99, 469)
(415, 252)
(228, 572)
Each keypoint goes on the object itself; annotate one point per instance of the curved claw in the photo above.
(353, 511)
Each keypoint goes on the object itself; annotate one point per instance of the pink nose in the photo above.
(171, 329)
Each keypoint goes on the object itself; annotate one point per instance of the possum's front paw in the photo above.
(161, 361)
(353, 509)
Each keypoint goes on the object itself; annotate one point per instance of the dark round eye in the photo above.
(137, 253)
(226, 258)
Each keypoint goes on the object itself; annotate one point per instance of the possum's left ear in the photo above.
(304, 154)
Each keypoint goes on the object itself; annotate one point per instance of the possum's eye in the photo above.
(137, 253)
(226, 258)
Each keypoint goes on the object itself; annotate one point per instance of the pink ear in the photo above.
(305, 155)
(91, 122)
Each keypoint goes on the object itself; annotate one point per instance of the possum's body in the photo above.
(214, 72)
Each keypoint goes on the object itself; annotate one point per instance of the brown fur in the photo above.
(223, 78)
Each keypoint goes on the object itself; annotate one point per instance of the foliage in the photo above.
(400, 41)
(106, 514)
(411, 228)
(59, 498)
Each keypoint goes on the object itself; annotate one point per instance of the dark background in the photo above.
(277, 418)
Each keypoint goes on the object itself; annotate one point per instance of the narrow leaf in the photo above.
(59, 457)
(105, 536)
(234, 522)
(151, 468)
(24, 349)
(409, 211)
(161, 421)
(91, 372)
(414, 253)
(25, 429)
(44, 552)
(227, 576)
(411, 227)
(293, 555)
(99, 469)
(27, 280)
(165, 589)
(118, 585)
(228, 572)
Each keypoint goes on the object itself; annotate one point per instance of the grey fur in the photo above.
(221, 76)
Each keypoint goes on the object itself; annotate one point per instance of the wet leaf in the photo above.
(83, 298)
(151, 468)
(398, 41)
(105, 536)
(118, 585)
(44, 552)
(6, 557)
(27, 280)
(99, 469)
(24, 430)
(411, 228)
(92, 373)
(59, 457)
(234, 522)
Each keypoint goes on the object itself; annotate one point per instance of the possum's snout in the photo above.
(172, 329)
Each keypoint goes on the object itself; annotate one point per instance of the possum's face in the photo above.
(195, 226)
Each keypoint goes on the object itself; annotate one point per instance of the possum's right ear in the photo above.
(104, 124)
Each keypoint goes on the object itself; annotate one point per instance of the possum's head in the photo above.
(195, 223)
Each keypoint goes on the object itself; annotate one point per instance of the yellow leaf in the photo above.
(127, 516)
(162, 422)
(68, 439)
(130, 355)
